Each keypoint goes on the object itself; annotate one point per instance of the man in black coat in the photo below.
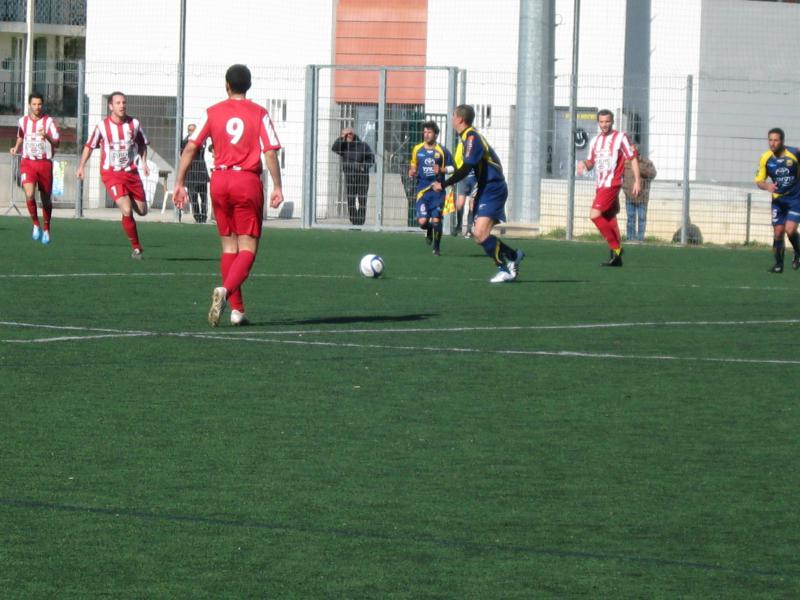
(197, 181)
(357, 158)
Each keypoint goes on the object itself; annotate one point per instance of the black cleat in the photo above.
(796, 262)
(436, 252)
(615, 260)
(776, 268)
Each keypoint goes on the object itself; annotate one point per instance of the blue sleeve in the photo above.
(473, 149)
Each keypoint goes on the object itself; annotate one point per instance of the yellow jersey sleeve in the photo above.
(761, 174)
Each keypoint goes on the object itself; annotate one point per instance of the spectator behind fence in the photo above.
(636, 206)
(357, 158)
(197, 180)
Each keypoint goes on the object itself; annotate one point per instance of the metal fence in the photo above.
(705, 140)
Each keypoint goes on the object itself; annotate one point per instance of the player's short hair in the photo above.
(33, 95)
(238, 79)
(604, 112)
(112, 94)
(432, 126)
(466, 113)
(779, 131)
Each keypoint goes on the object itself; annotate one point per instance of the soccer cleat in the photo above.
(136, 254)
(513, 265)
(796, 262)
(238, 318)
(615, 260)
(218, 299)
(45, 237)
(437, 252)
(502, 276)
(37, 232)
(777, 268)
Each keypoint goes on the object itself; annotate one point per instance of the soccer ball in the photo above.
(371, 266)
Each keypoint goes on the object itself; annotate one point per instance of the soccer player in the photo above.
(240, 131)
(780, 164)
(122, 139)
(37, 137)
(608, 151)
(490, 199)
(429, 162)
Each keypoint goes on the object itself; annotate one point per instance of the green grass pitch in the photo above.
(581, 433)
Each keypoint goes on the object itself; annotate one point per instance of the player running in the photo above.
(429, 162)
(608, 151)
(37, 137)
(490, 199)
(122, 139)
(240, 131)
(780, 164)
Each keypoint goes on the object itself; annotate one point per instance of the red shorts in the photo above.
(39, 172)
(606, 200)
(123, 183)
(238, 201)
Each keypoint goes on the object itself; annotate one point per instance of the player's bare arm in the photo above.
(767, 186)
(637, 177)
(15, 148)
(276, 197)
(143, 156)
(87, 152)
(179, 195)
(584, 166)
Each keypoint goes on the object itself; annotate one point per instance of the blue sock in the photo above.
(491, 245)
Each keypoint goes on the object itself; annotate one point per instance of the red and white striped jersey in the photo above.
(609, 153)
(240, 132)
(120, 143)
(35, 146)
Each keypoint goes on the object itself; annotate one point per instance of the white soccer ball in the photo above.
(371, 266)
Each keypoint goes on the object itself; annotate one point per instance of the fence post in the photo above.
(379, 151)
(309, 148)
(80, 133)
(687, 149)
(449, 137)
(747, 226)
(573, 100)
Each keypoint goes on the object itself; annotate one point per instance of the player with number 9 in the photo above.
(241, 131)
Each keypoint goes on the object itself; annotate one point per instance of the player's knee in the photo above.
(423, 223)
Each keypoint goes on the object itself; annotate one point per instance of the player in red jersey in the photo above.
(122, 139)
(240, 131)
(37, 137)
(608, 151)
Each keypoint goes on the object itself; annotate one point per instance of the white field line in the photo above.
(515, 327)
(439, 349)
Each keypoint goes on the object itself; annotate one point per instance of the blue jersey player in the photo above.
(429, 162)
(491, 196)
(779, 163)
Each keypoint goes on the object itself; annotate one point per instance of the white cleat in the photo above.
(218, 299)
(136, 254)
(37, 233)
(45, 237)
(238, 318)
(513, 266)
(502, 276)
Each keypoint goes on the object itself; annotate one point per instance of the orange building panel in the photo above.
(378, 33)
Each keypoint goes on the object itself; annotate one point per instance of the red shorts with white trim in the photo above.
(238, 201)
(39, 172)
(123, 183)
(606, 200)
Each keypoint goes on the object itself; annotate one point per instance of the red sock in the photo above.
(47, 211)
(235, 298)
(238, 271)
(609, 230)
(32, 211)
(129, 225)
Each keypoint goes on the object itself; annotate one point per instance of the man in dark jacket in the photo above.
(197, 181)
(357, 158)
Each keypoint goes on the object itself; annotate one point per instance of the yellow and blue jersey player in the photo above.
(780, 164)
(429, 162)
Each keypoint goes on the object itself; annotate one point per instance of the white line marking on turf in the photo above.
(72, 338)
(516, 327)
(111, 333)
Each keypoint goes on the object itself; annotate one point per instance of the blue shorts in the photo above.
(491, 202)
(430, 205)
(785, 209)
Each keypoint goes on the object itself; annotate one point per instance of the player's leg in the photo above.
(437, 226)
(779, 214)
(792, 218)
(435, 206)
(28, 179)
(44, 181)
(125, 206)
(603, 214)
(423, 219)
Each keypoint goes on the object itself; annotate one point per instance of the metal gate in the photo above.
(385, 107)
